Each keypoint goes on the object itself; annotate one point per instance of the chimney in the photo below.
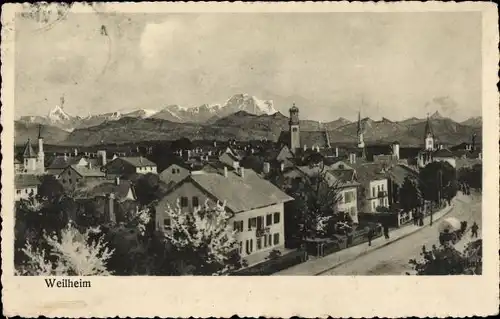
(282, 166)
(267, 168)
(242, 172)
(111, 208)
(89, 165)
(102, 154)
(117, 180)
(352, 158)
(76, 152)
(336, 152)
(225, 171)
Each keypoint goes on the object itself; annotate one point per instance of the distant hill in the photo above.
(473, 121)
(243, 125)
(24, 130)
(336, 124)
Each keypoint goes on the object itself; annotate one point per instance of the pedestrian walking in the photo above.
(386, 231)
(370, 236)
(474, 230)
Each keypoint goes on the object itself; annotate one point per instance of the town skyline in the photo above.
(145, 61)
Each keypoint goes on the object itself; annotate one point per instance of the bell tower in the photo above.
(294, 127)
(429, 136)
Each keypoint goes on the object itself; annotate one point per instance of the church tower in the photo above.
(429, 136)
(294, 128)
(29, 158)
(361, 140)
(41, 155)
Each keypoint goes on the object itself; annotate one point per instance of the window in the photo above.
(249, 246)
(269, 219)
(276, 218)
(195, 201)
(260, 222)
(259, 243)
(270, 242)
(18, 191)
(173, 170)
(184, 202)
(276, 238)
(265, 241)
(166, 223)
(373, 191)
(294, 129)
(373, 205)
(252, 223)
(238, 225)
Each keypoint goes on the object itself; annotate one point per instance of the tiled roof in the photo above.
(28, 150)
(241, 193)
(466, 162)
(344, 175)
(138, 161)
(313, 138)
(367, 172)
(103, 188)
(443, 153)
(87, 172)
(398, 174)
(26, 180)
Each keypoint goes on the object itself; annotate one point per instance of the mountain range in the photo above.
(241, 117)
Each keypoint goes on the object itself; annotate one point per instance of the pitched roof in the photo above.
(87, 172)
(102, 188)
(443, 153)
(240, 193)
(137, 161)
(26, 180)
(366, 172)
(344, 175)
(314, 138)
(398, 173)
(28, 150)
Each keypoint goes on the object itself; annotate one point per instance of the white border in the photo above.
(384, 296)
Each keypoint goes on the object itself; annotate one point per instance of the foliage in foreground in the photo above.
(73, 253)
(447, 260)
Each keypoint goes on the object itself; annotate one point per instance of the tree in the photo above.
(203, 241)
(438, 180)
(72, 254)
(315, 206)
(410, 194)
(446, 260)
(182, 144)
(476, 177)
(148, 188)
(50, 188)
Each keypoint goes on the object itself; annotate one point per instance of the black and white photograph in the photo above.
(246, 143)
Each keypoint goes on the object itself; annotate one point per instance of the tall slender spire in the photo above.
(40, 131)
(359, 122)
(428, 127)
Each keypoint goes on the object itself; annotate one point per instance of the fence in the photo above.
(271, 266)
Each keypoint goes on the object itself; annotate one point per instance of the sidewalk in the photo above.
(321, 265)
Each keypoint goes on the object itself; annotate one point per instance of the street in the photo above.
(393, 259)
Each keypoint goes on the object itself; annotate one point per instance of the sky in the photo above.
(393, 65)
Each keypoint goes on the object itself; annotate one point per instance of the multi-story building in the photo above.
(130, 165)
(26, 186)
(256, 205)
(374, 186)
(75, 176)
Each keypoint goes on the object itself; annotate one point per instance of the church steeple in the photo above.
(294, 126)
(361, 141)
(429, 135)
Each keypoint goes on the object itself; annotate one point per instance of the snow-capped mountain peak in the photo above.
(57, 114)
(248, 103)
